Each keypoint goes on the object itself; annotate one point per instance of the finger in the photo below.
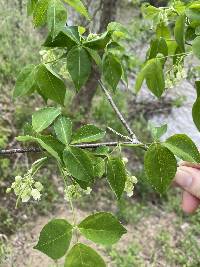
(189, 164)
(189, 202)
(189, 179)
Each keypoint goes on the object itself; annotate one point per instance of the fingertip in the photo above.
(189, 203)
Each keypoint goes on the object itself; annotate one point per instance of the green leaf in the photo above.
(78, 163)
(51, 86)
(160, 167)
(25, 81)
(193, 13)
(118, 29)
(158, 46)
(67, 37)
(112, 70)
(81, 256)
(153, 73)
(163, 31)
(79, 66)
(95, 56)
(102, 228)
(88, 133)
(55, 238)
(190, 34)
(98, 166)
(79, 7)
(99, 41)
(158, 132)
(40, 13)
(179, 32)
(31, 6)
(63, 129)
(56, 17)
(116, 175)
(47, 142)
(42, 118)
(196, 107)
(196, 46)
(183, 147)
(102, 151)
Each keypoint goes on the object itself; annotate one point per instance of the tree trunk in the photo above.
(85, 96)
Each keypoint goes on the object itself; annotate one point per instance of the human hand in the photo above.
(188, 178)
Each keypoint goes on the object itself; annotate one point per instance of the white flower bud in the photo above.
(8, 190)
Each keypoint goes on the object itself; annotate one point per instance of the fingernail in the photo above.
(184, 179)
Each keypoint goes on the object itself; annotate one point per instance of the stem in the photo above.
(84, 146)
(74, 219)
(119, 134)
(118, 113)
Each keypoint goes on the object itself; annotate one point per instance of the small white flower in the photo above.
(88, 190)
(125, 160)
(18, 179)
(8, 190)
(36, 194)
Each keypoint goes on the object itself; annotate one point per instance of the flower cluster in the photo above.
(25, 187)
(175, 75)
(74, 191)
(131, 181)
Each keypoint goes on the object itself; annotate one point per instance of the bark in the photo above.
(85, 96)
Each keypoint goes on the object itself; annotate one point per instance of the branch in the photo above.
(94, 145)
(119, 114)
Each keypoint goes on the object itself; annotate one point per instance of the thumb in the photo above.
(188, 178)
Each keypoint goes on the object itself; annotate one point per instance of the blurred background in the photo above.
(159, 233)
